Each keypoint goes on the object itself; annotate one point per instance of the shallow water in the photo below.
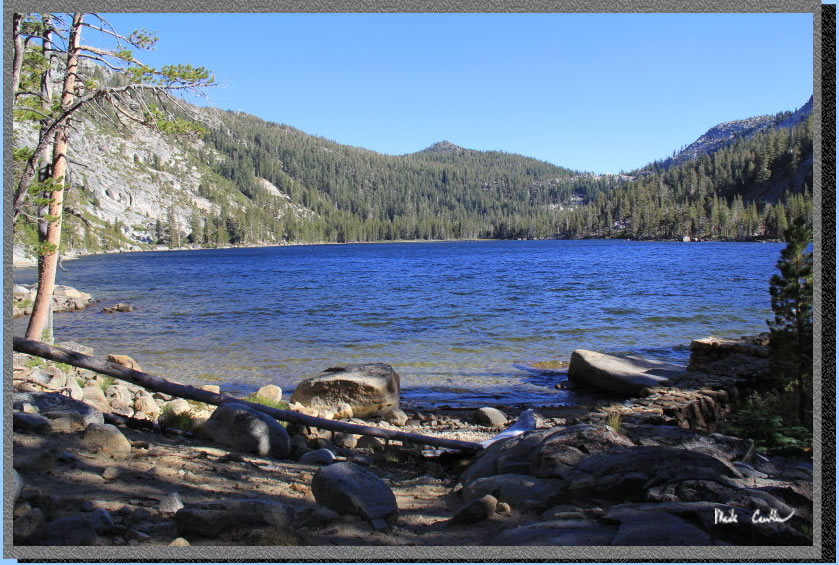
(460, 322)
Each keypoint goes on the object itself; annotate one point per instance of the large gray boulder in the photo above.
(625, 375)
(565, 448)
(367, 388)
(629, 474)
(238, 426)
(349, 489)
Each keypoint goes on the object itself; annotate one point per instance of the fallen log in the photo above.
(159, 384)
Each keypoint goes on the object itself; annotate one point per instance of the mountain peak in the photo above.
(444, 147)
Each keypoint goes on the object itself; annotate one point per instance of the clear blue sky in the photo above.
(593, 92)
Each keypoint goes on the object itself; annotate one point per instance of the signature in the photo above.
(730, 517)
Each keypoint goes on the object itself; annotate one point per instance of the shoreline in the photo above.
(19, 263)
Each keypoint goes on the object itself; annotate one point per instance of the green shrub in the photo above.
(105, 383)
(256, 399)
(761, 418)
(183, 421)
(614, 421)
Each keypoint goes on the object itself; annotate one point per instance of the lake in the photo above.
(461, 322)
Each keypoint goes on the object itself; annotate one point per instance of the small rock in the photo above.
(344, 439)
(210, 388)
(318, 457)
(343, 411)
(395, 416)
(270, 392)
(170, 503)
(93, 394)
(108, 438)
(178, 406)
(101, 520)
(34, 423)
(119, 308)
(110, 473)
(179, 542)
(26, 524)
(488, 416)
(476, 511)
(370, 442)
(503, 508)
(145, 404)
(124, 361)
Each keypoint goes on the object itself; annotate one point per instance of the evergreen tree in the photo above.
(791, 330)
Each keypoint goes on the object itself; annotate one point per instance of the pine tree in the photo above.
(791, 330)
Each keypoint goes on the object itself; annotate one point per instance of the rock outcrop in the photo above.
(64, 299)
(618, 374)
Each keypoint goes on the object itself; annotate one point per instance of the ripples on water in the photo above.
(452, 318)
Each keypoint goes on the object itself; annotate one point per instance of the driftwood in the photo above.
(159, 384)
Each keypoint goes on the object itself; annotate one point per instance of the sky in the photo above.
(591, 92)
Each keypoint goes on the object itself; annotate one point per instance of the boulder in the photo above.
(124, 361)
(108, 438)
(717, 445)
(624, 375)
(629, 474)
(270, 392)
(367, 388)
(475, 511)
(488, 416)
(565, 448)
(238, 426)
(349, 489)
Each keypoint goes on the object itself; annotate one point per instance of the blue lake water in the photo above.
(456, 320)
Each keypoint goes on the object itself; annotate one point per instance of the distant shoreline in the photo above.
(25, 263)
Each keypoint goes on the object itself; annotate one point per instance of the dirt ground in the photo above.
(63, 477)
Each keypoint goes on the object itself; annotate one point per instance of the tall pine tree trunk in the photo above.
(48, 261)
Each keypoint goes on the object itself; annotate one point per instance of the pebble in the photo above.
(179, 542)
(110, 473)
(170, 503)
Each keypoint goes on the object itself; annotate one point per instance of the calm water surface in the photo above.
(460, 322)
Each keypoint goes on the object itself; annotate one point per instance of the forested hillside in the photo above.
(247, 181)
(749, 188)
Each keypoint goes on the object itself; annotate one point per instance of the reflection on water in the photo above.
(457, 320)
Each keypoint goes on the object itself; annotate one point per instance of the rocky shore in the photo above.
(64, 299)
(101, 462)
